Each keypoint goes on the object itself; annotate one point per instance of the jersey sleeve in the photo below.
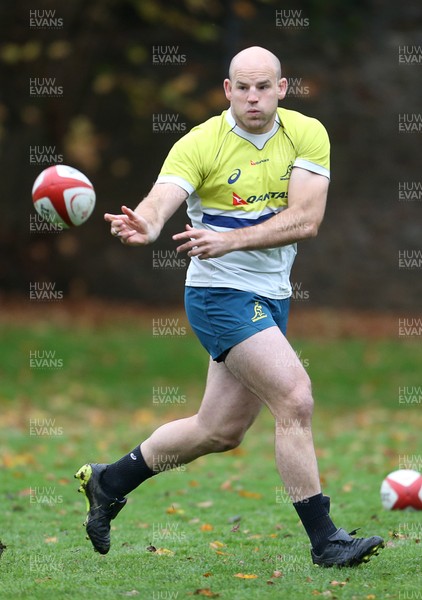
(184, 164)
(313, 152)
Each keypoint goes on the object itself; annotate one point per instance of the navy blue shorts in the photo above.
(224, 317)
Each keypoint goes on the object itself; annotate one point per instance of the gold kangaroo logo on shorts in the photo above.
(258, 312)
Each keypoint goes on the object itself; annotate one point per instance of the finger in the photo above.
(124, 236)
(186, 235)
(109, 217)
(193, 248)
(129, 213)
(117, 226)
(180, 236)
(199, 252)
(187, 247)
(134, 218)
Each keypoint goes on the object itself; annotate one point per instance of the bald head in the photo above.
(255, 56)
(254, 88)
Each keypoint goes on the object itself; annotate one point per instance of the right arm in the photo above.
(143, 225)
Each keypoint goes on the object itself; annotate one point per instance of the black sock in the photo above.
(313, 512)
(126, 474)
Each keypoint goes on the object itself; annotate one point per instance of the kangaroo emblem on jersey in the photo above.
(288, 172)
(258, 312)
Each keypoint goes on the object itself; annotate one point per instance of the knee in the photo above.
(299, 401)
(224, 440)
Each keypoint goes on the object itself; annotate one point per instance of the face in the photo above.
(253, 93)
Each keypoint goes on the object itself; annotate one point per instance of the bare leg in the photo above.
(268, 366)
(227, 410)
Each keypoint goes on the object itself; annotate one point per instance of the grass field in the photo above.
(222, 526)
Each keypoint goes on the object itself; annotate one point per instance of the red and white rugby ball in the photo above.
(64, 196)
(402, 489)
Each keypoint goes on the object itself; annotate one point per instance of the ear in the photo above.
(282, 88)
(227, 84)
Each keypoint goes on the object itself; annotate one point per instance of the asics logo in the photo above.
(234, 176)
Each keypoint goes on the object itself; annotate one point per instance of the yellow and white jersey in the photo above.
(237, 179)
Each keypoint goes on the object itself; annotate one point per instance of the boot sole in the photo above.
(84, 475)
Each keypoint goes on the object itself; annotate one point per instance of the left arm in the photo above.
(301, 220)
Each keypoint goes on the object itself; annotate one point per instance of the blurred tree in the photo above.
(116, 65)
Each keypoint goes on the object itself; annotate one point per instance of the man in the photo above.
(255, 180)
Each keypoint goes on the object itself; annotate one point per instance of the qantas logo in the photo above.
(238, 201)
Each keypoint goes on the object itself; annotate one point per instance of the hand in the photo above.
(129, 227)
(203, 243)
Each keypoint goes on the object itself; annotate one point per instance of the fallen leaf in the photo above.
(205, 592)
(227, 485)
(194, 483)
(131, 593)
(347, 487)
(206, 527)
(235, 528)
(2, 548)
(175, 510)
(340, 583)
(246, 494)
(207, 574)
(205, 504)
(397, 535)
(277, 574)
(234, 519)
(18, 460)
(143, 416)
(51, 540)
(237, 451)
(151, 549)
(164, 551)
(245, 576)
(216, 545)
